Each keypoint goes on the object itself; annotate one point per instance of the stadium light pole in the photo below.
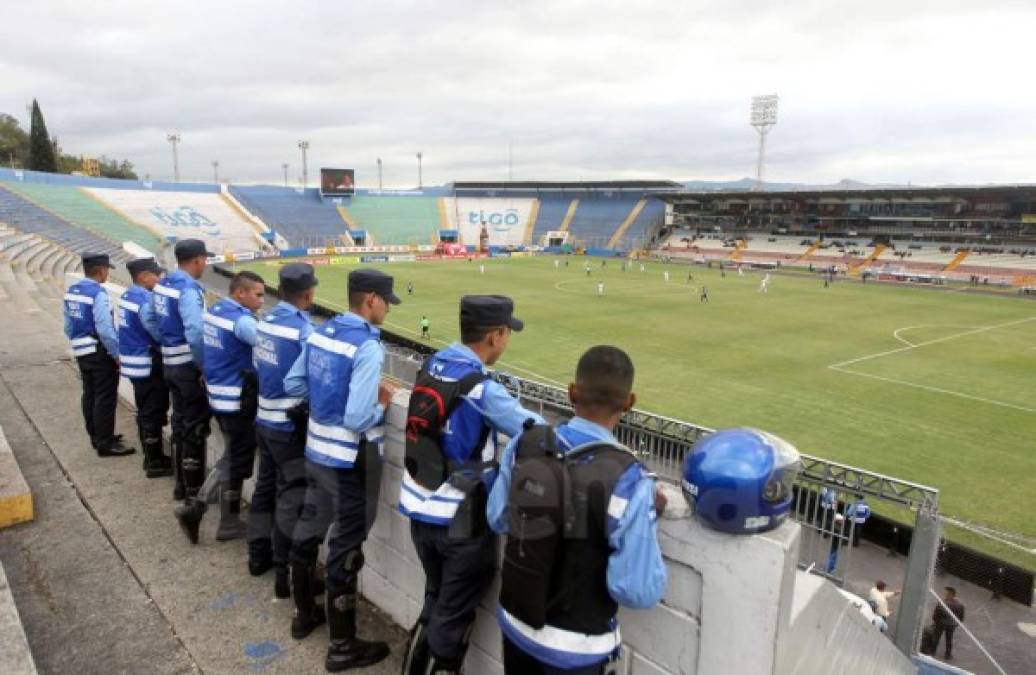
(215, 171)
(419, 178)
(379, 175)
(174, 139)
(304, 146)
(763, 118)
(284, 167)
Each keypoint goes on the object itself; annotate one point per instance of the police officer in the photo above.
(280, 428)
(858, 512)
(140, 360)
(340, 368)
(615, 560)
(456, 550)
(179, 302)
(229, 335)
(90, 327)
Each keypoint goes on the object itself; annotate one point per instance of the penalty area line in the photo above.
(935, 390)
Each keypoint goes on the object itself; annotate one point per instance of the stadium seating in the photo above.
(551, 215)
(396, 219)
(206, 216)
(301, 218)
(78, 207)
(29, 218)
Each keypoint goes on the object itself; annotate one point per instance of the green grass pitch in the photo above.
(933, 386)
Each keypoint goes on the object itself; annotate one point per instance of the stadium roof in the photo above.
(561, 186)
(998, 191)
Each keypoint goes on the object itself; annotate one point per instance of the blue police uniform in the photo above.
(178, 302)
(229, 334)
(339, 369)
(458, 564)
(140, 361)
(636, 573)
(281, 482)
(89, 325)
(858, 512)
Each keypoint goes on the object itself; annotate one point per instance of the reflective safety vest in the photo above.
(175, 350)
(227, 358)
(136, 346)
(79, 308)
(330, 353)
(859, 512)
(277, 347)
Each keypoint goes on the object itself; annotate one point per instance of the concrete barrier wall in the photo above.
(742, 585)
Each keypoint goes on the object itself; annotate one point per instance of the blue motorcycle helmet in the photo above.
(740, 480)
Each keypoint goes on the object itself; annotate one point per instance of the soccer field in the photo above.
(929, 385)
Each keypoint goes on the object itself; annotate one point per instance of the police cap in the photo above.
(97, 260)
(186, 249)
(372, 281)
(143, 265)
(489, 310)
(297, 277)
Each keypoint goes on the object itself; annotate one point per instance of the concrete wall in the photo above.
(742, 582)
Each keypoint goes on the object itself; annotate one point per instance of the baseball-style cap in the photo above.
(144, 265)
(97, 260)
(297, 277)
(186, 249)
(489, 310)
(373, 281)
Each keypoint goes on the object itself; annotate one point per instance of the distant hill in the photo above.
(776, 186)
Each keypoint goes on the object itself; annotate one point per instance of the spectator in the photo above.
(879, 599)
(944, 623)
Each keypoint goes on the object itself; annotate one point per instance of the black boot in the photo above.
(190, 513)
(281, 582)
(115, 448)
(260, 558)
(156, 464)
(347, 651)
(230, 524)
(308, 614)
(178, 486)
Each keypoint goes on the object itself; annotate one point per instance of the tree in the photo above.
(14, 142)
(41, 151)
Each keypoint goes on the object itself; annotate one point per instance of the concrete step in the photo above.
(15, 497)
(12, 241)
(14, 648)
(32, 263)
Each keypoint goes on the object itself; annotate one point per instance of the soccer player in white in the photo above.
(481, 269)
(740, 271)
(641, 268)
(666, 275)
(557, 263)
(600, 288)
(765, 283)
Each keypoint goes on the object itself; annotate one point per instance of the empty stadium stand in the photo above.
(205, 216)
(301, 218)
(82, 208)
(550, 217)
(30, 219)
(396, 219)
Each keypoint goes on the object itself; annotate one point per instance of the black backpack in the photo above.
(545, 508)
(432, 400)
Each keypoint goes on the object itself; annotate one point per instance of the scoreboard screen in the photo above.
(337, 182)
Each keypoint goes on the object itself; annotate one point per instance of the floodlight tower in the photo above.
(304, 146)
(379, 174)
(419, 177)
(215, 171)
(174, 139)
(284, 167)
(764, 118)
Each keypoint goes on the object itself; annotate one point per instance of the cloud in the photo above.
(881, 91)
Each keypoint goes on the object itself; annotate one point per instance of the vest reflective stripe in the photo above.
(135, 373)
(83, 341)
(219, 390)
(178, 349)
(126, 359)
(129, 306)
(167, 291)
(617, 506)
(83, 351)
(556, 646)
(332, 345)
(279, 330)
(219, 321)
(75, 297)
(279, 403)
(438, 507)
(272, 416)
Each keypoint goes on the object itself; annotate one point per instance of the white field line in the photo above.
(444, 343)
(937, 390)
(896, 333)
(840, 367)
(945, 338)
(908, 343)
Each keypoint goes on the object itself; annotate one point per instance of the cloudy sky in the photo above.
(881, 91)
